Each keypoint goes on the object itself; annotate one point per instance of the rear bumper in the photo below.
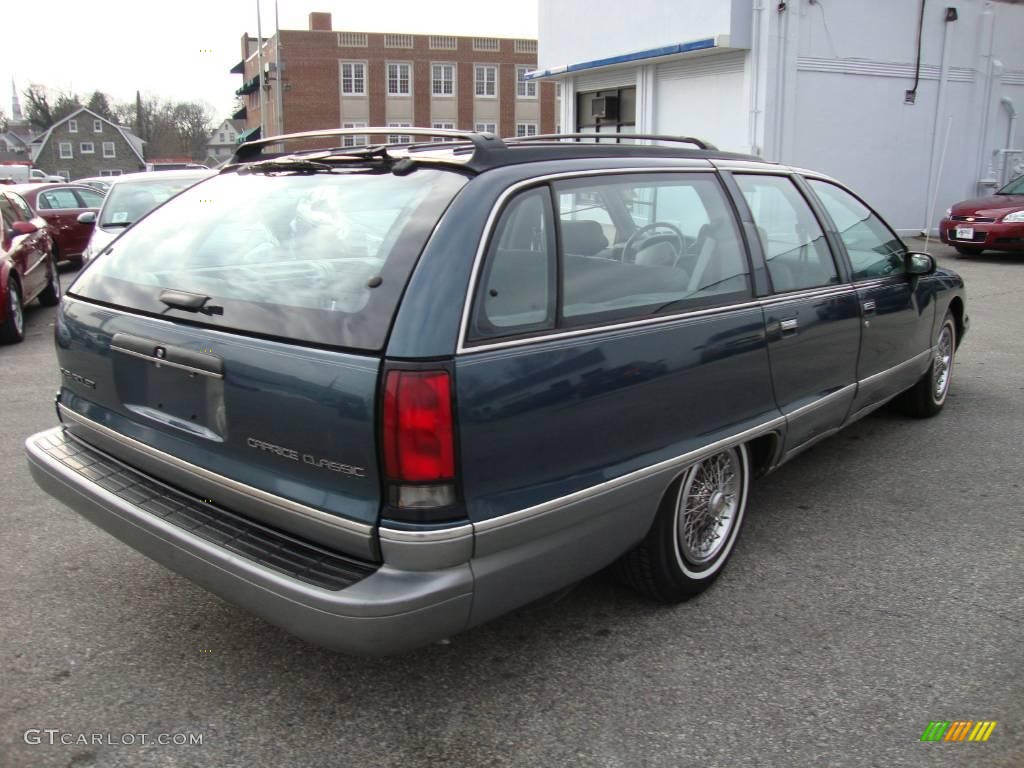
(389, 611)
(995, 236)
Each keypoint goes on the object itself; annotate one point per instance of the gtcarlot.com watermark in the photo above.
(55, 736)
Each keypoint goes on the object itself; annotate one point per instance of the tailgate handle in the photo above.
(161, 354)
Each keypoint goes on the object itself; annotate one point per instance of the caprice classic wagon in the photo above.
(381, 394)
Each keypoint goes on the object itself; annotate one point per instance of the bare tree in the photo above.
(193, 122)
(41, 112)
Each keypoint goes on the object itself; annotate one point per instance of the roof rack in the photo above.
(699, 143)
(483, 143)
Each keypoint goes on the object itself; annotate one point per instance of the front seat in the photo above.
(583, 238)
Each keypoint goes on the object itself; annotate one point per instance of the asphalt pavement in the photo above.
(877, 586)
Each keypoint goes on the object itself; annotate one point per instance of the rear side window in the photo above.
(517, 293)
(56, 199)
(316, 257)
(628, 247)
(873, 248)
(794, 246)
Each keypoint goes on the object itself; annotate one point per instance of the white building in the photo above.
(223, 140)
(832, 85)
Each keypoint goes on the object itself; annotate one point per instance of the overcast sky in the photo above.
(183, 49)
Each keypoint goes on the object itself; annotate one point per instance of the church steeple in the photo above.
(16, 115)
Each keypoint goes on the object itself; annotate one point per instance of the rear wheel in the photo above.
(927, 397)
(13, 328)
(50, 296)
(694, 531)
(969, 250)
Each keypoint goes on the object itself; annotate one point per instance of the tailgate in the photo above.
(279, 433)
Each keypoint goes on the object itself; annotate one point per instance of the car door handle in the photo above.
(869, 307)
(789, 326)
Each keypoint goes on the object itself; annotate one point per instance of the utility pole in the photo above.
(279, 104)
(259, 63)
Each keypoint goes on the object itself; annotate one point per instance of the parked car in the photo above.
(99, 183)
(61, 206)
(993, 223)
(379, 395)
(131, 197)
(28, 269)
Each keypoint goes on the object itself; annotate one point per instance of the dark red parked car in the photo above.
(60, 205)
(994, 223)
(28, 269)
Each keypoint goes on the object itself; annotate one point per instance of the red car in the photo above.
(28, 269)
(60, 205)
(994, 223)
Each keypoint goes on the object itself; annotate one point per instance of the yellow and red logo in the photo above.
(958, 730)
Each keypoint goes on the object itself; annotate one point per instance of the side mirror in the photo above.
(920, 263)
(89, 217)
(23, 228)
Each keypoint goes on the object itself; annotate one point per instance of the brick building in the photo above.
(347, 79)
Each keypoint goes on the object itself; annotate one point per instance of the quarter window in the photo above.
(873, 248)
(794, 245)
(517, 288)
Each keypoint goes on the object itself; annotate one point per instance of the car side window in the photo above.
(795, 249)
(56, 199)
(21, 209)
(89, 198)
(8, 213)
(635, 246)
(517, 287)
(873, 248)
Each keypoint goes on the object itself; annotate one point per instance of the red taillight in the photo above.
(418, 442)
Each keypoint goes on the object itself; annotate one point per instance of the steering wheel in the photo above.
(639, 236)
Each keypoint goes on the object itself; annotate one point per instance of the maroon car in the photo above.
(994, 223)
(27, 267)
(60, 205)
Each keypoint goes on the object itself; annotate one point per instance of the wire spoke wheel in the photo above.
(942, 366)
(708, 507)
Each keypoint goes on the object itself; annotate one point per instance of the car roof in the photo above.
(39, 186)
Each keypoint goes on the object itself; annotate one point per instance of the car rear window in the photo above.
(315, 257)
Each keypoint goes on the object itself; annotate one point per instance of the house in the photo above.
(223, 140)
(85, 144)
(329, 79)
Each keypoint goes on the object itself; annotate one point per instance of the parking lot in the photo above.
(877, 586)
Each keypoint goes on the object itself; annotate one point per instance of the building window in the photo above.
(443, 126)
(486, 128)
(443, 43)
(526, 129)
(220, 137)
(108, 149)
(525, 46)
(352, 39)
(398, 138)
(353, 78)
(110, 172)
(72, 126)
(97, 126)
(398, 41)
(486, 81)
(525, 89)
(86, 148)
(354, 140)
(398, 80)
(442, 80)
(65, 151)
(486, 44)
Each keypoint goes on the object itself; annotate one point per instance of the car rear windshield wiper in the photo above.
(190, 302)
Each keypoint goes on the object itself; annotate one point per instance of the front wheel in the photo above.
(927, 397)
(694, 531)
(12, 330)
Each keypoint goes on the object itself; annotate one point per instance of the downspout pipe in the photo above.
(933, 173)
(1011, 131)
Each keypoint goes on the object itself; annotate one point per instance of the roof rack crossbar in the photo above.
(482, 142)
(699, 143)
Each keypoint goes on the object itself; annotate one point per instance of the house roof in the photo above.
(40, 141)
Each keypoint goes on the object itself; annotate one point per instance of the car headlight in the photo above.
(1016, 217)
